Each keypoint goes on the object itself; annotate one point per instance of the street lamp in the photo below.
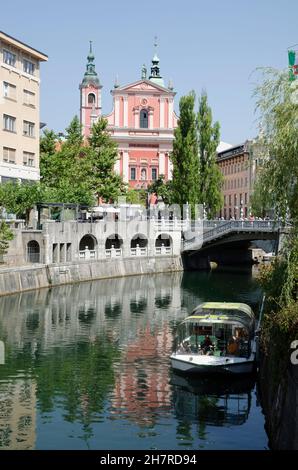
(241, 209)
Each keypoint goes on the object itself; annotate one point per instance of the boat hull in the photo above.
(189, 365)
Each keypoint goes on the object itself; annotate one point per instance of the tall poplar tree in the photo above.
(211, 178)
(186, 179)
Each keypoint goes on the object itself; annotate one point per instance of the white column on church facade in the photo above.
(99, 101)
(125, 166)
(117, 165)
(150, 118)
(162, 113)
(161, 166)
(117, 111)
(170, 169)
(170, 119)
(137, 118)
(125, 111)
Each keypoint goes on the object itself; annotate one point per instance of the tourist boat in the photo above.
(218, 337)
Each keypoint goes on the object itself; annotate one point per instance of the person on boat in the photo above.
(184, 347)
(233, 346)
(206, 345)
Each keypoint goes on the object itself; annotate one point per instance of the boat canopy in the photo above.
(222, 312)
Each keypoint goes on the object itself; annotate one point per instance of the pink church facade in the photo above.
(142, 123)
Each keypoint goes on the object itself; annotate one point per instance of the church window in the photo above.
(154, 174)
(132, 173)
(143, 174)
(91, 98)
(144, 119)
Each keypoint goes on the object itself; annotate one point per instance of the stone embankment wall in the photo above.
(280, 405)
(30, 277)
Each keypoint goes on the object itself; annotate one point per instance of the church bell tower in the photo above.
(90, 95)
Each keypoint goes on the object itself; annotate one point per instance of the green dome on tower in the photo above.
(90, 76)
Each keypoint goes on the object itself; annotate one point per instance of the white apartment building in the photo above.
(19, 110)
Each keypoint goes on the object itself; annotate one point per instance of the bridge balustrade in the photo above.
(138, 251)
(231, 226)
(113, 253)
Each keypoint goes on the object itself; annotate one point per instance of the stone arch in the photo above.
(113, 240)
(33, 251)
(164, 239)
(139, 239)
(88, 241)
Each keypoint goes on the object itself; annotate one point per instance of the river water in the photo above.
(86, 366)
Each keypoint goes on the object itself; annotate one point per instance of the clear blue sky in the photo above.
(214, 44)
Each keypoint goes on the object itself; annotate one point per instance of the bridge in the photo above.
(219, 232)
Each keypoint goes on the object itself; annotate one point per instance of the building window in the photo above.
(9, 155)
(9, 91)
(132, 173)
(29, 98)
(28, 128)
(154, 174)
(143, 174)
(28, 67)
(144, 119)
(9, 123)
(28, 159)
(9, 58)
(91, 98)
(230, 199)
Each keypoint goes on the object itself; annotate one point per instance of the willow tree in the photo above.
(186, 178)
(277, 183)
(277, 103)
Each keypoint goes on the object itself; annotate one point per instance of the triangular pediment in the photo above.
(143, 85)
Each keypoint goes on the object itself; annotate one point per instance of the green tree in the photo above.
(74, 134)
(277, 104)
(63, 168)
(162, 189)
(186, 179)
(20, 198)
(136, 196)
(102, 156)
(5, 236)
(211, 178)
(48, 142)
(277, 187)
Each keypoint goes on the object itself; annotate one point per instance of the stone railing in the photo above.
(171, 225)
(138, 251)
(87, 254)
(163, 250)
(113, 253)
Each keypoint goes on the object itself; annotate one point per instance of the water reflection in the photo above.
(85, 362)
(217, 402)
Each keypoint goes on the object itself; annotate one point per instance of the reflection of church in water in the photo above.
(131, 313)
